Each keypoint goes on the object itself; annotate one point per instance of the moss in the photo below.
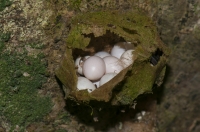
(3, 38)
(61, 130)
(140, 82)
(21, 77)
(96, 5)
(95, 31)
(37, 45)
(4, 4)
(129, 25)
(74, 4)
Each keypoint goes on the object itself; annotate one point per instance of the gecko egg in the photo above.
(85, 57)
(94, 68)
(83, 83)
(118, 49)
(102, 54)
(127, 58)
(79, 64)
(113, 64)
(107, 77)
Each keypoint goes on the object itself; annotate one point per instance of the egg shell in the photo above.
(107, 77)
(83, 83)
(96, 83)
(118, 50)
(79, 64)
(113, 64)
(127, 58)
(94, 68)
(102, 54)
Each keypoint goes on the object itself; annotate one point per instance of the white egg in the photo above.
(113, 64)
(102, 54)
(79, 64)
(96, 83)
(118, 49)
(94, 68)
(107, 77)
(83, 83)
(86, 57)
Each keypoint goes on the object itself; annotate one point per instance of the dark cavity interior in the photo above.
(154, 59)
(102, 43)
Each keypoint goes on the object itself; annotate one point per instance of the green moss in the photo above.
(61, 130)
(37, 45)
(77, 40)
(21, 77)
(96, 30)
(74, 4)
(130, 25)
(4, 4)
(138, 83)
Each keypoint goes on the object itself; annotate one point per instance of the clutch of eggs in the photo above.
(97, 70)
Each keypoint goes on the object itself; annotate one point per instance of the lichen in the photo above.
(32, 14)
(21, 78)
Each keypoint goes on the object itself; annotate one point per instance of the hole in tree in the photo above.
(154, 59)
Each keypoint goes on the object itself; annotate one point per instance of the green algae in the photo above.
(21, 78)
(93, 30)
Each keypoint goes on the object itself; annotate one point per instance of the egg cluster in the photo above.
(96, 70)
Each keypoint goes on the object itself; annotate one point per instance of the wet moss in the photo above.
(21, 78)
